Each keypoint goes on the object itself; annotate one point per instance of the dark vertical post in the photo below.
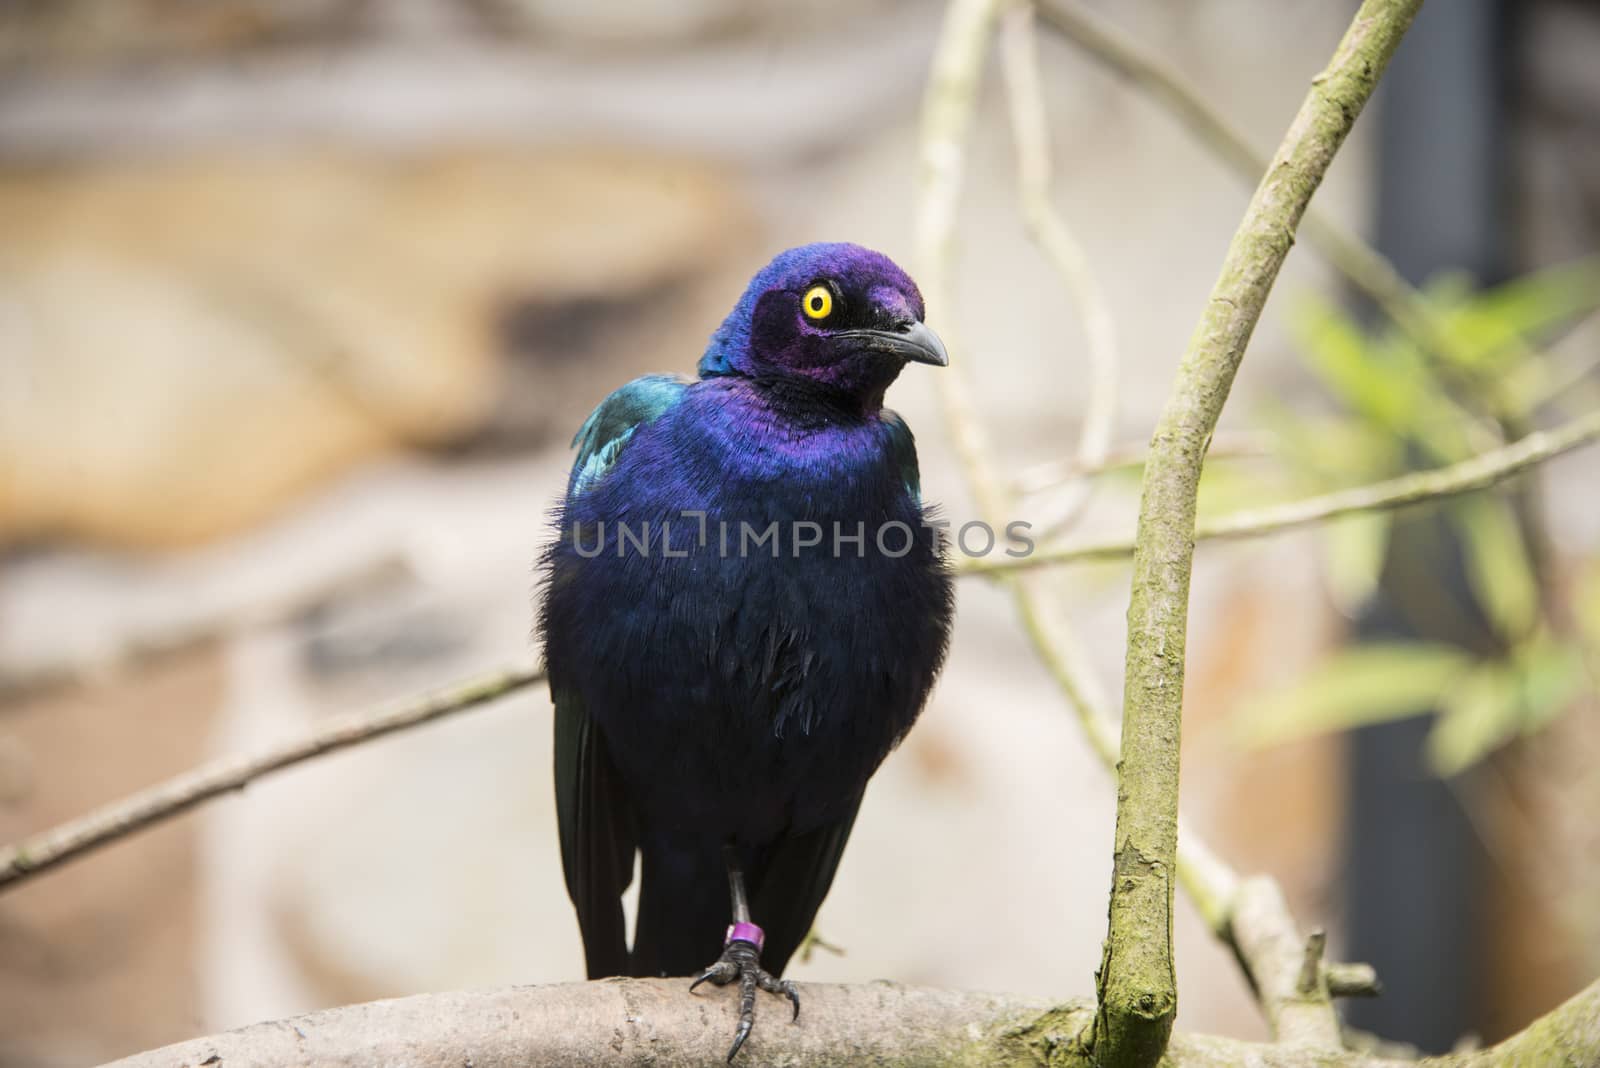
(1412, 862)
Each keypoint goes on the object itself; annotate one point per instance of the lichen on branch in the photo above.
(657, 1021)
(1138, 984)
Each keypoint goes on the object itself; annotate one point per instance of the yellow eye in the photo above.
(818, 302)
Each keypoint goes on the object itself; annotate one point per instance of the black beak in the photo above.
(912, 342)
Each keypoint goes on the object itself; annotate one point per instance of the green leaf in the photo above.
(1501, 699)
(1552, 675)
(1528, 307)
(1328, 452)
(1230, 488)
(1383, 380)
(1498, 568)
(1354, 549)
(1477, 715)
(1370, 683)
(1450, 289)
(1382, 390)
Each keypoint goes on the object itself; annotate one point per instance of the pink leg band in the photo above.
(746, 932)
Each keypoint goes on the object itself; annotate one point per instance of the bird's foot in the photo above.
(741, 960)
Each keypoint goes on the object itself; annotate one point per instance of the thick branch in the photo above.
(620, 1022)
(657, 1021)
(120, 818)
(1567, 1037)
(1418, 487)
(1138, 986)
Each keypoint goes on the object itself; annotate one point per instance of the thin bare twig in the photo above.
(947, 113)
(1353, 980)
(1311, 966)
(1285, 970)
(947, 117)
(1051, 473)
(1030, 129)
(179, 794)
(1416, 488)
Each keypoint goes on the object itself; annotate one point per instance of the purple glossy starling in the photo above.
(744, 612)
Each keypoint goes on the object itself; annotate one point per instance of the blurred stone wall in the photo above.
(189, 344)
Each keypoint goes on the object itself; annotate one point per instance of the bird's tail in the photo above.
(684, 908)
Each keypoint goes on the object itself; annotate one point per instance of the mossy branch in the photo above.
(657, 1021)
(1138, 983)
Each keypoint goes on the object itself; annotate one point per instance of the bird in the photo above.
(745, 606)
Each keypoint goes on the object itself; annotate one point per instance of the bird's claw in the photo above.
(741, 960)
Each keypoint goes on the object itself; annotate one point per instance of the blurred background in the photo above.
(302, 300)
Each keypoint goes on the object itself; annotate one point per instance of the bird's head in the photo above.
(839, 318)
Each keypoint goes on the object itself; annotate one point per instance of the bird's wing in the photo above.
(609, 427)
(794, 880)
(903, 448)
(597, 836)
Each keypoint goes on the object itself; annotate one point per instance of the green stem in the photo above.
(1138, 985)
(1416, 488)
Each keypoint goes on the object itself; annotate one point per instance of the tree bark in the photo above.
(658, 1022)
(1138, 989)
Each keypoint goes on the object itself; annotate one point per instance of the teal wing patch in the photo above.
(904, 450)
(609, 427)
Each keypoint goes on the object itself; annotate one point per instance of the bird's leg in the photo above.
(741, 960)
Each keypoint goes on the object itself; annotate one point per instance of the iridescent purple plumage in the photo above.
(720, 707)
